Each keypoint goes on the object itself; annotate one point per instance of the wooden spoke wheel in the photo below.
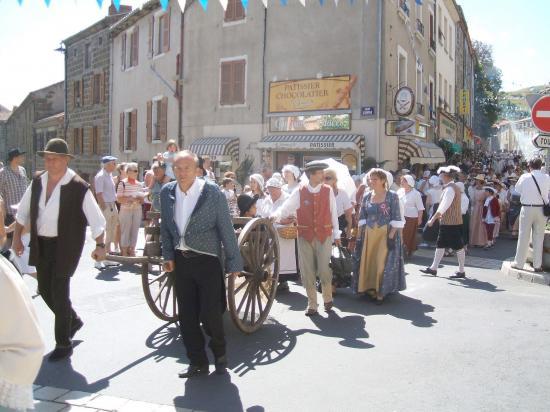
(251, 294)
(160, 294)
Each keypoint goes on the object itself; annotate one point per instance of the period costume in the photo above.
(379, 268)
(289, 188)
(58, 232)
(194, 227)
(478, 234)
(413, 206)
(491, 213)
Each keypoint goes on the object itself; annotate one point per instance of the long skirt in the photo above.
(466, 228)
(378, 269)
(409, 234)
(478, 235)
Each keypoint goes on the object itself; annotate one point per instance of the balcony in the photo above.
(403, 10)
(420, 108)
(419, 27)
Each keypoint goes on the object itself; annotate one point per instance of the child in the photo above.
(168, 157)
(491, 215)
(247, 205)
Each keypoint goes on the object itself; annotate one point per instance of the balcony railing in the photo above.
(420, 27)
(404, 7)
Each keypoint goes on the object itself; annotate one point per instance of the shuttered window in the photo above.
(134, 50)
(123, 52)
(78, 141)
(95, 143)
(128, 131)
(96, 88)
(234, 12)
(232, 82)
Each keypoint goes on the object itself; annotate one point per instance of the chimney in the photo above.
(122, 10)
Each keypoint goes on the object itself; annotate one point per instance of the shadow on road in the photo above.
(469, 283)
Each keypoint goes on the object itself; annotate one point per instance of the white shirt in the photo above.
(48, 213)
(464, 203)
(446, 198)
(489, 218)
(292, 204)
(271, 207)
(343, 202)
(185, 204)
(412, 201)
(528, 190)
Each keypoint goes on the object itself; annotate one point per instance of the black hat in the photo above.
(56, 146)
(245, 202)
(13, 153)
(315, 165)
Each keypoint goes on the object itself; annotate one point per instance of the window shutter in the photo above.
(121, 133)
(178, 64)
(239, 10)
(230, 11)
(82, 92)
(133, 130)
(92, 89)
(166, 32)
(149, 125)
(75, 88)
(239, 68)
(151, 36)
(226, 85)
(102, 87)
(135, 47)
(164, 119)
(123, 52)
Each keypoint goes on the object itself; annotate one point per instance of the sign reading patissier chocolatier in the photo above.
(324, 94)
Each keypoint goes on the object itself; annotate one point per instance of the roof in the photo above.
(102, 24)
(131, 18)
(58, 116)
(4, 113)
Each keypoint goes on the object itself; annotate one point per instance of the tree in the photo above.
(488, 84)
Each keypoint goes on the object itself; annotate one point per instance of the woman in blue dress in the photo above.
(380, 269)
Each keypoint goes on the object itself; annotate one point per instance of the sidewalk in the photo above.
(50, 399)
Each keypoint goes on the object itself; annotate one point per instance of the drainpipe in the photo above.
(180, 81)
(110, 102)
(379, 92)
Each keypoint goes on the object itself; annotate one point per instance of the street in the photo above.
(475, 344)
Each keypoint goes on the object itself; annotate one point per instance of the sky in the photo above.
(518, 30)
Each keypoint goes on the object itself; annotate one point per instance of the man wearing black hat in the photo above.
(13, 183)
(314, 205)
(58, 206)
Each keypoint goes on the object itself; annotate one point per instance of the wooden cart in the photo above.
(249, 295)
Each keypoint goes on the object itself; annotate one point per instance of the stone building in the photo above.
(45, 129)
(37, 105)
(87, 75)
(4, 114)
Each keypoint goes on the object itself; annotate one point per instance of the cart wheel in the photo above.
(251, 293)
(159, 292)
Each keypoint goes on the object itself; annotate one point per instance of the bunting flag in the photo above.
(47, 2)
(183, 4)
(245, 4)
(265, 3)
(284, 2)
(303, 2)
(99, 3)
(20, 2)
(224, 4)
(117, 4)
(204, 4)
(164, 4)
(419, 2)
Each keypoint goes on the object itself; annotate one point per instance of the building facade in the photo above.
(146, 106)
(37, 105)
(87, 76)
(4, 115)
(45, 129)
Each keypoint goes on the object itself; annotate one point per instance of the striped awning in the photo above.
(415, 151)
(216, 146)
(314, 142)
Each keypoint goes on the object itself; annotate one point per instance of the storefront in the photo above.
(223, 151)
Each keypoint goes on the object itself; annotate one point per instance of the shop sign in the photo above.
(447, 127)
(328, 93)
(464, 102)
(367, 111)
(404, 101)
(308, 145)
(468, 134)
(406, 127)
(310, 123)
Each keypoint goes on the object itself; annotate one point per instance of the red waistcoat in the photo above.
(314, 217)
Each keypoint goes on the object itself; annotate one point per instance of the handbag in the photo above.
(341, 264)
(546, 206)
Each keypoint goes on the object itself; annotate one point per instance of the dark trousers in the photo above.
(200, 294)
(55, 290)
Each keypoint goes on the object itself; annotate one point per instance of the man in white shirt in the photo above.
(532, 221)
(314, 205)
(58, 206)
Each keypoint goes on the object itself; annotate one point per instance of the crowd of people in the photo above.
(379, 218)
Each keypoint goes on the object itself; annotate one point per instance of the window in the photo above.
(78, 93)
(128, 131)
(432, 94)
(439, 87)
(87, 56)
(401, 67)
(157, 119)
(78, 141)
(432, 30)
(418, 9)
(100, 41)
(96, 88)
(451, 41)
(233, 82)
(123, 51)
(445, 33)
(162, 42)
(450, 98)
(95, 149)
(419, 84)
(234, 12)
(134, 47)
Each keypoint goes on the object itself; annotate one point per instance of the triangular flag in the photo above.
(224, 4)
(322, 2)
(182, 4)
(336, 3)
(47, 2)
(204, 4)
(419, 2)
(99, 3)
(20, 2)
(245, 4)
(117, 4)
(303, 2)
(264, 2)
(283, 2)
(164, 4)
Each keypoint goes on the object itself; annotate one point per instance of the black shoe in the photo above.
(282, 286)
(429, 271)
(60, 353)
(76, 326)
(221, 365)
(194, 370)
(458, 275)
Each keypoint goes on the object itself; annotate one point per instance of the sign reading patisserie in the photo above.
(324, 94)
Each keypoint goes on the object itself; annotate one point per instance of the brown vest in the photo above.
(453, 215)
(314, 217)
(71, 225)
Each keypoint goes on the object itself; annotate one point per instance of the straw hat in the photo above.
(480, 177)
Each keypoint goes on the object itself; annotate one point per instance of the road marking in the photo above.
(543, 113)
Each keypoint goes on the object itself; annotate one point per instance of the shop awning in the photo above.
(216, 147)
(416, 151)
(316, 142)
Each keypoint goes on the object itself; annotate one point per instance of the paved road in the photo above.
(470, 345)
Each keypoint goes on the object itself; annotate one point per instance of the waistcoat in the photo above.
(453, 215)
(314, 217)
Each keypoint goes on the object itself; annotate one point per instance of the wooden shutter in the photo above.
(151, 36)
(226, 83)
(102, 87)
(239, 70)
(164, 119)
(135, 46)
(133, 130)
(123, 52)
(166, 31)
(82, 92)
(230, 11)
(178, 64)
(239, 10)
(149, 125)
(92, 89)
(121, 133)
(75, 88)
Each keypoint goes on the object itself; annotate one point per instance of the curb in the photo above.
(525, 275)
